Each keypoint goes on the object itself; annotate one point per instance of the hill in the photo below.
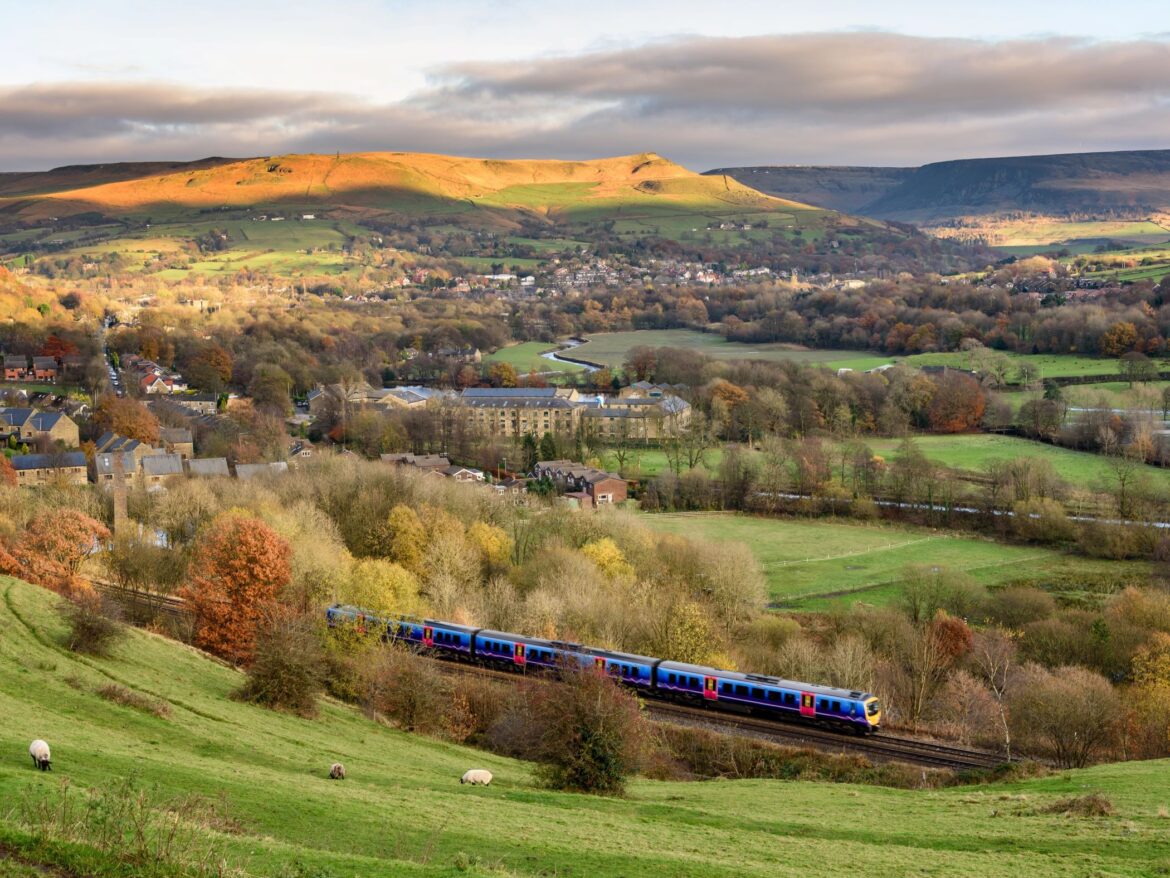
(1100, 185)
(367, 184)
(847, 189)
(272, 811)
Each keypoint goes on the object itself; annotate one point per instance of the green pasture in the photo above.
(526, 357)
(402, 812)
(610, 348)
(973, 452)
(815, 564)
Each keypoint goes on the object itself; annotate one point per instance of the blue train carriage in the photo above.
(633, 670)
(361, 620)
(519, 652)
(843, 708)
(445, 638)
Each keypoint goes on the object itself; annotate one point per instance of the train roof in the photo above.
(702, 671)
(568, 646)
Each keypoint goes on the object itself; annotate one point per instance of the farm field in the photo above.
(1118, 394)
(526, 357)
(815, 564)
(1028, 236)
(645, 463)
(610, 349)
(402, 812)
(972, 452)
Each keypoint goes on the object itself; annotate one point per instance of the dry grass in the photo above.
(1091, 805)
(129, 698)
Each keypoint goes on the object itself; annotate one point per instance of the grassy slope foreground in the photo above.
(402, 811)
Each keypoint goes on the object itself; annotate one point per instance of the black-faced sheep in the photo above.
(477, 776)
(337, 771)
(39, 751)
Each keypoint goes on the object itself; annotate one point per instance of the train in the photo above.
(844, 709)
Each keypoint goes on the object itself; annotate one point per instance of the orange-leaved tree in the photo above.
(7, 473)
(126, 417)
(238, 568)
(53, 547)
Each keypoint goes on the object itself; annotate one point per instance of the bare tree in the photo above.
(994, 657)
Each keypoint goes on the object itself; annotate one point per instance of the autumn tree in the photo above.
(1119, 339)
(238, 567)
(407, 538)
(380, 586)
(1070, 713)
(640, 363)
(7, 473)
(210, 369)
(503, 374)
(126, 417)
(958, 405)
(53, 547)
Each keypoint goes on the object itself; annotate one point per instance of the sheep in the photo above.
(337, 771)
(477, 776)
(39, 751)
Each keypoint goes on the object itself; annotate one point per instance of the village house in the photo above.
(436, 463)
(157, 469)
(37, 470)
(592, 487)
(208, 467)
(44, 369)
(106, 466)
(361, 395)
(201, 403)
(245, 471)
(15, 367)
(177, 440)
(463, 474)
(634, 417)
(31, 427)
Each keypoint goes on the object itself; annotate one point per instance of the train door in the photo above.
(518, 656)
(710, 689)
(428, 636)
(808, 703)
(599, 663)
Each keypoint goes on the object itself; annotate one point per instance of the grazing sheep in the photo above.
(337, 771)
(477, 776)
(39, 751)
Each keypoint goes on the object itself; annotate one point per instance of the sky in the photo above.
(897, 82)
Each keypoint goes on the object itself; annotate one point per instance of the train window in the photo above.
(773, 695)
(790, 698)
(726, 687)
(822, 704)
(758, 693)
(836, 707)
(741, 690)
(671, 678)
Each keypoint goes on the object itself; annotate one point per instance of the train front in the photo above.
(873, 714)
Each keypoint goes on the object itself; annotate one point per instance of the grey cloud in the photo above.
(872, 98)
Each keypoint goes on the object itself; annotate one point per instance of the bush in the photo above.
(93, 625)
(288, 671)
(1092, 805)
(406, 688)
(590, 733)
(128, 698)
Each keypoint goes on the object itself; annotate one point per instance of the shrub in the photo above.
(93, 625)
(590, 733)
(406, 688)
(129, 698)
(1091, 805)
(288, 671)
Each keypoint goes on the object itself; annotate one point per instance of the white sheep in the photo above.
(337, 771)
(39, 751)
(477, 776)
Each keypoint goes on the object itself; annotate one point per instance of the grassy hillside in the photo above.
(412, 184)
(811, 565)
(402, 811)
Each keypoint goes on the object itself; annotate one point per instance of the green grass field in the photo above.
(402, 812)
(610, 349)
(811, 565)
(645, 463)
(526, 357)
(973, 452)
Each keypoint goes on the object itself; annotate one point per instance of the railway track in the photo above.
(881, 747)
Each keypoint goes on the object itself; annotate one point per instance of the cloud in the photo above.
(863, 98)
